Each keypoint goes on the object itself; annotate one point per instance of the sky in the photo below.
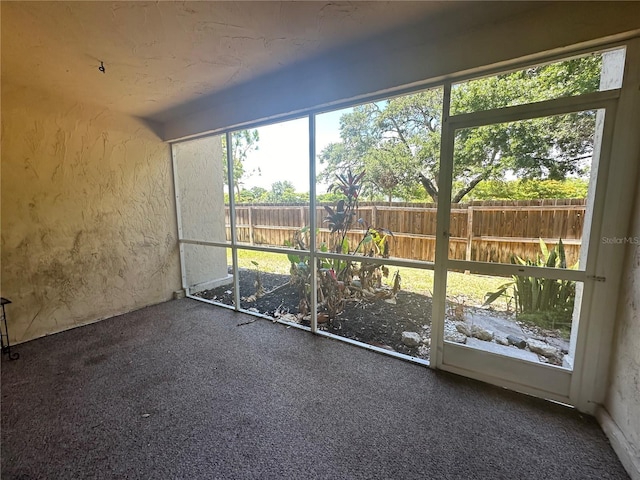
(283, 151)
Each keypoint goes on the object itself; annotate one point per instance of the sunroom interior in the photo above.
(120, 123)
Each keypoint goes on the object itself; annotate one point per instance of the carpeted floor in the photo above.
(179, 391)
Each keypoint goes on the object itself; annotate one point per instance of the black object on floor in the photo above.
(179, 391)
(4, 332)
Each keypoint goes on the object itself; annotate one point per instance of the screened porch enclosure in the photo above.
(479, 282)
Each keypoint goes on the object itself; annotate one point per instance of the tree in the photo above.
(389, 140)
(529, 189)
(285, 192)
(397, 141)
(252, 195)
(243, 143)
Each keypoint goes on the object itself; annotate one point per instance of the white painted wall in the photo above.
(88, 216)
(200, 188)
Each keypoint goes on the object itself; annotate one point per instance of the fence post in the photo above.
(515, 213)
(469, 232)
(251, 225)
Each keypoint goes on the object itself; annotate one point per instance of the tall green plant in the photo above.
(340, 219)
(532, 295)
(336, 276)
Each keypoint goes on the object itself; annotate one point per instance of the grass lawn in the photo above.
(461, 288)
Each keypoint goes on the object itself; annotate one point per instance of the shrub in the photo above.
(336, 276)
(544, 301)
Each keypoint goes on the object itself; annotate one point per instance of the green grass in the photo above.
(461, 288)
(267, 261)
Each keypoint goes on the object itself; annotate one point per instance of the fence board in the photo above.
(490, 231)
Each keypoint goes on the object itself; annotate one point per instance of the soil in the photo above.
(377, 323)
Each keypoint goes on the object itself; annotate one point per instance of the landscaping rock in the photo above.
(464, 329)
(449, 328)
(411, 339)
(544, 349)
(456, 337)
(517, 341)
(481, 334)
(500, 339)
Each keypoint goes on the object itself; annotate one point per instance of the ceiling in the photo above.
(160, 55)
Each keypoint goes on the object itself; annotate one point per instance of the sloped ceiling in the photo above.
(160, 55)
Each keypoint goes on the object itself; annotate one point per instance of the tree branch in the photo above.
(463, 191)
(428, 185)
(401, 135)
(428, 119)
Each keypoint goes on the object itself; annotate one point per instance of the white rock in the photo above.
(411, 339)
(542, 348)
(450, 328)
(456, 337)
(500, 340)
(464, 329)
(481, 334)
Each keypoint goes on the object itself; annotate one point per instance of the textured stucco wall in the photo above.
(200, 184)
(623, 399)
(88, 216)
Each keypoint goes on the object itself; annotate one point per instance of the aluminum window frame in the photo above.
(606, 99)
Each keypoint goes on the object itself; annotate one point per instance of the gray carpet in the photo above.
(179, 391)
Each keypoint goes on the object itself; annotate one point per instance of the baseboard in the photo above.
(619, 442)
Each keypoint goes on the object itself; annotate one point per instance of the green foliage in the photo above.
(540, 297)
(389, 139)
(253, 195)
(375, 242)
(300, 270)
(330, 197)
(335, 276)
(284, 192)
(281, 192)
(398, 140)
(341, 218)
(257, 283)
(543, 82)
(529, 189)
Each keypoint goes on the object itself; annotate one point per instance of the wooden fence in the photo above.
(482, 231)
